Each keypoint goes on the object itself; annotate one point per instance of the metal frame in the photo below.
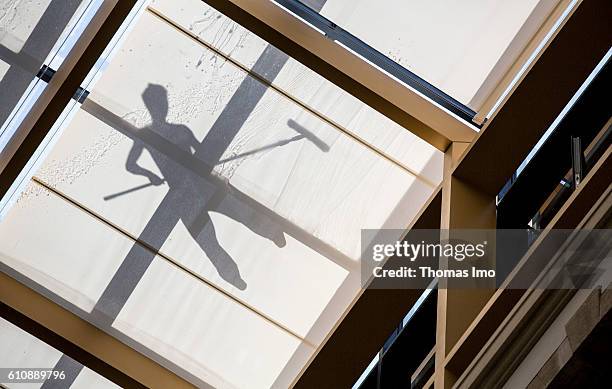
(474, 175)
(538, 99)
(508, 341)
(355, 74)
(338, 34)
(529, 43)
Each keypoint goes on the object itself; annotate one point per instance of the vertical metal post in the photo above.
(577, 161)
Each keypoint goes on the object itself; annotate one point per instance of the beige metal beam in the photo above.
(341, 66)
(463, 206)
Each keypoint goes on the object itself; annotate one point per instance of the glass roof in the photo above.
(457, 46)
(206, 200)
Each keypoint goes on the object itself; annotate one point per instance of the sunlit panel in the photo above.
(22, 351)
(170, 311)
(218, 340)
(307, 86)
(60, 247)
(453, 45)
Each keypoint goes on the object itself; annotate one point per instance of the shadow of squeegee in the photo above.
(308, 135)
(303, 134)
(134, 189)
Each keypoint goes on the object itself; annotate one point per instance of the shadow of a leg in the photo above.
(137, 261)
(227, 268)
(253, 218)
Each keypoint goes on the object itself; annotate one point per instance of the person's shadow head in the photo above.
(155, 98)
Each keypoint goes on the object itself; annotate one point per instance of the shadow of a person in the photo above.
(190, 196)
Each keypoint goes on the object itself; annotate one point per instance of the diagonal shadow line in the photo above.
(40, 42)
(261, 149)
(71, 370)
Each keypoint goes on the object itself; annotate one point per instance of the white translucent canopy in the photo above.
(210, 214)
(458, 46)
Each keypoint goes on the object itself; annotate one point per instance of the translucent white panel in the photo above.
(284, 277)
(88, 164)
(33, 26)
(60, 247)
(327, 188)
(18, 19)
(308, 87)
(4, 67)
(214, 28)
(452, 44)
(199, 329)
(22, 350)
(333, 194)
